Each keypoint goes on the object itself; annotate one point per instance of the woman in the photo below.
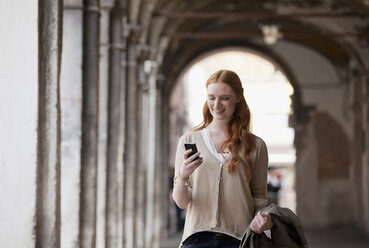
(224, 187)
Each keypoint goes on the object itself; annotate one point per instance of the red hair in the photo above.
(238, 128)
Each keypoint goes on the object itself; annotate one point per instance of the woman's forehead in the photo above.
(219, 88)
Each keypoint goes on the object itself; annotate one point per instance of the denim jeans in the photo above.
(211, 240)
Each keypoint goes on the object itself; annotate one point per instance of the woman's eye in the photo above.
(225, 98)
(211, 98)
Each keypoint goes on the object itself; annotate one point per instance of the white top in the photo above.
(222, 157)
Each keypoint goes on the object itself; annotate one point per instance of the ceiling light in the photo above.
(271, 33)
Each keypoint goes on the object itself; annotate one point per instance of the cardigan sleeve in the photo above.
(258, 182)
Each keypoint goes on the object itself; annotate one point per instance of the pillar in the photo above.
(164, 168)
(47, 230)
(161, 168)
(90, 76)
(152, 147)
(102, 189)
(71, 124)
(116, 112)
(306, 168)
(144, 124)
(357, 145)
(130, 148)
(366, 153)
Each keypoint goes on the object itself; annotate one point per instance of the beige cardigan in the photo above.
(222, 201)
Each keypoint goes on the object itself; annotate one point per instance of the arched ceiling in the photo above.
(181, 30)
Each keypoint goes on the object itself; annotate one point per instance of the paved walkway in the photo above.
(172, 241)
(342, 237)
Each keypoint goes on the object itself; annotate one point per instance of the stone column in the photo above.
(163, 167)
(90, 79)
(143, 112)
(366, 152)
(160, 174)
(71, 124)
(357, 149)
(130, 148)
(48, 148)
(116, 113)
(306, 168)
(103, 110)
(151, 155)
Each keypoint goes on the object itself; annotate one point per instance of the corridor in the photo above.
(95, 94)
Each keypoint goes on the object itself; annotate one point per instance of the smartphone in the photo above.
(190, 145)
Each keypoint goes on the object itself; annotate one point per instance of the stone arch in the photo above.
(261, 51)
(181, 53)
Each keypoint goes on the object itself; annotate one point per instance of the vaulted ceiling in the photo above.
(180, 30)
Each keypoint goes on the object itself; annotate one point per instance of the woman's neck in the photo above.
(218, 126)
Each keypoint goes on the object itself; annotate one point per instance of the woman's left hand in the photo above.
(261, 222)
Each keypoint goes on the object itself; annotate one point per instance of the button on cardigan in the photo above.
(222, 201)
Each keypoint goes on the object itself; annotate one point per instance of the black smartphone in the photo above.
(190, 145)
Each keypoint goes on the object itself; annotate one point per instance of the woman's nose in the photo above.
(217, 103)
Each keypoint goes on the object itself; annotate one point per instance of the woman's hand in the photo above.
(190, 164)
(181, 193)
(261, 222)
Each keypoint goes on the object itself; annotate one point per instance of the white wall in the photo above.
(317, 77)
(18, 121)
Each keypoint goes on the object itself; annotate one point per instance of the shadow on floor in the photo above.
(342, 237)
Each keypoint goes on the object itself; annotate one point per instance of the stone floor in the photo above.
(172, 241)
(343, 237)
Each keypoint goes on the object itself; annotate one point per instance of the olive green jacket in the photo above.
(286, 231)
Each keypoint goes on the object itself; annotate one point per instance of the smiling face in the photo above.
(221, 101)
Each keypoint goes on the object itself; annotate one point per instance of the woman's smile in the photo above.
(218, 111)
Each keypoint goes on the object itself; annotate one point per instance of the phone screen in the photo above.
(192, 146)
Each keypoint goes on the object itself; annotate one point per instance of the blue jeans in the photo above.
(211, 240)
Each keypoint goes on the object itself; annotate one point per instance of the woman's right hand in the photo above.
(190, 164)
(181, 193)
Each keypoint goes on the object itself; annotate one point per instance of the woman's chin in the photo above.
(220, 117)
(217, 116)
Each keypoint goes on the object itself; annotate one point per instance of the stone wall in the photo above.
(18, 121)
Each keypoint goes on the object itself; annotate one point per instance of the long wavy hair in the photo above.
(240, 139)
